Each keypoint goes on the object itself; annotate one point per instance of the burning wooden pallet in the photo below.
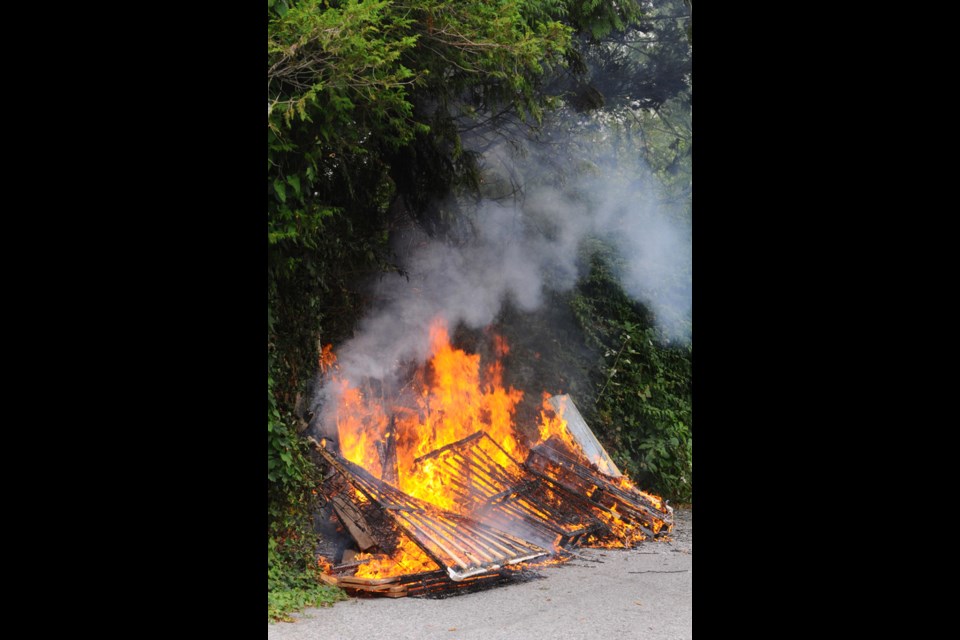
(509, 497)
(610, 495)
(568, 491)
(459, 544)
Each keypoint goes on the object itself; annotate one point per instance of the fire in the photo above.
(327, 358)
(408, 558)
(361, 424)
(455, 398)
(500, 346)
(391, 434)
(626, 483)
(552, 423)
(626, 535)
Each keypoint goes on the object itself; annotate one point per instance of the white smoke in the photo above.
(515, 249)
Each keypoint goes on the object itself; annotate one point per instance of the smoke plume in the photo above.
(516, 248)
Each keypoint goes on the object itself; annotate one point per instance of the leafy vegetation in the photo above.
(643, 405)
(289, 591)
(292, 478)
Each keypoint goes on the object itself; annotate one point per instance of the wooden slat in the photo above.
(369, 582)
(328, 579)
(581, 433)
(356, 524)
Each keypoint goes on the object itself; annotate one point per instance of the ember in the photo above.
(441, 491)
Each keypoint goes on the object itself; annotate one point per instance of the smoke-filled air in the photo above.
(514, 252)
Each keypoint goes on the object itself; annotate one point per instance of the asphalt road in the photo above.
(639, 593)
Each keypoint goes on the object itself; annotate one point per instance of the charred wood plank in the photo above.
(356, 524)
(453, 445)
(387, 449)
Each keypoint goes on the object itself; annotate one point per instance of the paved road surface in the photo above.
(641, 593)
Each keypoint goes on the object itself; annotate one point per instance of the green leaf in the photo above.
(294, 181)
(281, 190)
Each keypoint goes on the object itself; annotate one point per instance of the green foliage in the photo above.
(291, 573)
(281, 601)
(288, 468)
(668, 144)
(291, 590)
(599, 18)
(644, 388)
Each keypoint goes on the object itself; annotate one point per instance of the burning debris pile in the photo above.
(440, 492)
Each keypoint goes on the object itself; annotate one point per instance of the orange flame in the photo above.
(327, 358)
(407, 559)
(455, 400)
(552, 423)
(450, 398)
